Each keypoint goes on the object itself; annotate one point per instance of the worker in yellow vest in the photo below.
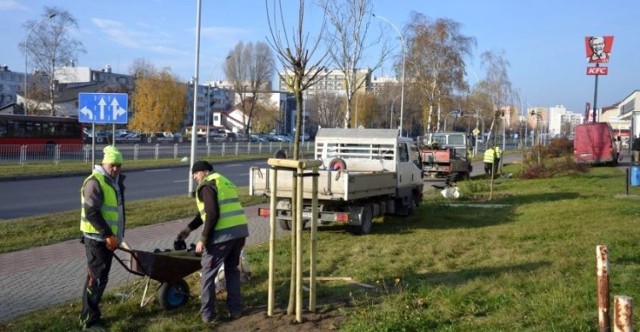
(222, 239)
(102, 224)
(498, 153)
(489, 160)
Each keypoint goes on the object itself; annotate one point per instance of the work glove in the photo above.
(184, 233)
(112, 243)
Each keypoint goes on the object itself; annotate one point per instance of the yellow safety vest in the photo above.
(489, 156)
(498, 152)
(109, 209)
(233, 222)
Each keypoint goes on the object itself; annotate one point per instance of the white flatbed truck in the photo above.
(365, 173)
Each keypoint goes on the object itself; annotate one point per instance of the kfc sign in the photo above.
(597, 70)
(598, 48)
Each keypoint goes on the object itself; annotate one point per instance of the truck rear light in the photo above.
(342, 217)
(263, 212)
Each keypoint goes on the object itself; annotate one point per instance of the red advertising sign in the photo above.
(597, 70)
(598, 48)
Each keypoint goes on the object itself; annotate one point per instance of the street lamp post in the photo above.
(194, 125)
(403, 60)
(208, 108)
(454, 112)
(393, 109)
(26, 53)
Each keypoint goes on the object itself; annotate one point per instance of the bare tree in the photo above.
(140, 68)
(295, 54)
(51, 45)
(348, 42)
(250, 67)
(300, 72)
(496, 85)
(436, 53)
(326, 108)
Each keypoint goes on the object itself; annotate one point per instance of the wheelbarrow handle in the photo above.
(125, 266)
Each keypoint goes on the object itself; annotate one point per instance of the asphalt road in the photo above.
(32, 197)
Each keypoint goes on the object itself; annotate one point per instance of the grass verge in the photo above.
(526, 265)
(22, 233)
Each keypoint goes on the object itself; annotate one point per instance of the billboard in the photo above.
(598, 48)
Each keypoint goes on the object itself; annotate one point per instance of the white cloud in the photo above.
(144, 37)
(11, 5)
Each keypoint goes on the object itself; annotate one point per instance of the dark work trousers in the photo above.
(487, 168)
(99, 259)
(213, 256)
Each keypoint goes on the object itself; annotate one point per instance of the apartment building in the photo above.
(331, 80)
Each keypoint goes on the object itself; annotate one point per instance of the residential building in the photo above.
(379, 84)
(71, 75)
(629, 113)
(234, 120)
(331, 80)
(212, 103)
(11, 84)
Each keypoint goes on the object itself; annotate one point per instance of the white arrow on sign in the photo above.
(87, 112)
(117, 111)
(102, 104)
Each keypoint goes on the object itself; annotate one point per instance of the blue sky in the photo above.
(543, 40)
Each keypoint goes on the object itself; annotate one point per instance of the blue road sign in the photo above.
(103, 107)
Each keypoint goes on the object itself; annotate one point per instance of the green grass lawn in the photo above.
(526, 266)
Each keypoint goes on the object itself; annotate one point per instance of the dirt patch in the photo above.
(255, 319)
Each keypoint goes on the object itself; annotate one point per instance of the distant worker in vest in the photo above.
(102, 223)
(498, 155)
(489, 160)
(636, 150)
(221, 241)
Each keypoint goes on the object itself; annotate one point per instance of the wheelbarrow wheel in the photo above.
(173, 295)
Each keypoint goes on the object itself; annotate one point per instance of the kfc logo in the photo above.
(598, 48)
(597, 70)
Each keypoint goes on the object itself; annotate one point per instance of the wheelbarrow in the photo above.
(169, 268)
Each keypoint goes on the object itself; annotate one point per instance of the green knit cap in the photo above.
(112, 155)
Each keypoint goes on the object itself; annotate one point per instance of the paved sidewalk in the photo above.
(42, 277)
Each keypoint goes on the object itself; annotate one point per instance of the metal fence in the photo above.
(41, 153)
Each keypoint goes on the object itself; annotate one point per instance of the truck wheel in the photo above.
(173, 295)
(366, 222)
(285, 224)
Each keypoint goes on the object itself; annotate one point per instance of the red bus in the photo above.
(41, 132)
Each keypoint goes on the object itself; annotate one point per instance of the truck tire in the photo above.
(366, 222)
(284, 224)
(280, 154)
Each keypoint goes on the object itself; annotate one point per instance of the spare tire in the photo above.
(280, 154)
(338, 164)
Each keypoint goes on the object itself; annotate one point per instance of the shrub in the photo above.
(551, 160)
